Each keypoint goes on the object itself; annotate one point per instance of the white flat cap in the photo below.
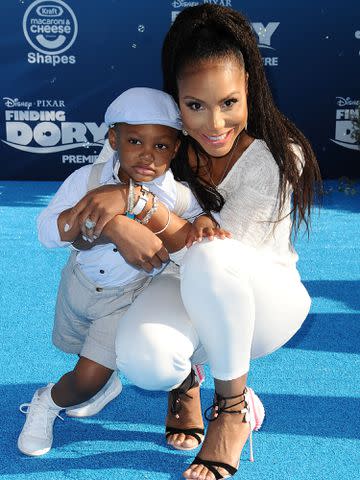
(143, 106)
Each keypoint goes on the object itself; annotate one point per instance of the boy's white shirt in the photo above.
(103, 257)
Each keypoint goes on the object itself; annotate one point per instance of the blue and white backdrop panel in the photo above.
(64, 61)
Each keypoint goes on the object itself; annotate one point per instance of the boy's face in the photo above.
(145, 151)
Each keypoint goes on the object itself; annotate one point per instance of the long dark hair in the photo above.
(210, 31)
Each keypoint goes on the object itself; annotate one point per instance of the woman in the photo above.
(243, 297)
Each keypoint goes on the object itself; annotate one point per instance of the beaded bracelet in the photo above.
(131, 199)
(167, 223)
(151, 212)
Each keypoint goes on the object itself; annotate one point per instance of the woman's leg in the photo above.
(155, 339)
(156, 344)
(227, 434)
(242, 305)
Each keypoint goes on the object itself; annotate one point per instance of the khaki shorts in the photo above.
(87, 316)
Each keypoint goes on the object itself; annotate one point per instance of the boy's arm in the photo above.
(203, 225)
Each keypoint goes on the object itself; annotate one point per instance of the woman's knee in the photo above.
(213, 269)
(202, 257)
(156, 339)
(153, 362)
(211, 258)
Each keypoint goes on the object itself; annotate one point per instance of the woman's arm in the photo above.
(144, 246)
(74, 235)
(136, 243)
(50, 234)
(67, 233)
(104, 203)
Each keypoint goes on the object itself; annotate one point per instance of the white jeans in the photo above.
(233, 304)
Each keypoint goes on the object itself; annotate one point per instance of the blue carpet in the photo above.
(310, 387)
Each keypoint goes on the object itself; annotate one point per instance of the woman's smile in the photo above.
(219, 139)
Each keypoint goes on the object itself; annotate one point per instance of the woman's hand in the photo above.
(202, 227)
(100, 206)
(137, 244)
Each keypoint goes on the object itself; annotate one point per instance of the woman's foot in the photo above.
(184, 414)
(230, 425)
(224, 441)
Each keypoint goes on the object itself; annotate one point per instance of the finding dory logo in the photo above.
(41, 126)
(347, 109)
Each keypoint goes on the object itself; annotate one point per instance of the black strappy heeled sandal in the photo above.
(254, 414)
(175, 398)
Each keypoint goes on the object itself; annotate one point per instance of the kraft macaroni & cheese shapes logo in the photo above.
(50, 27)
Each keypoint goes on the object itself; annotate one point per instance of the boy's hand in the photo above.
(205, 227)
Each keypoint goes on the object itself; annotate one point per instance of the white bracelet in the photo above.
(141, 203)
(151, 212)
(167, 223)
(131, 196)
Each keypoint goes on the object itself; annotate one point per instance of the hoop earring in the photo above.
(185, 132)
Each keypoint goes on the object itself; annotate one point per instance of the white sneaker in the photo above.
(93, 406)
(36, 437)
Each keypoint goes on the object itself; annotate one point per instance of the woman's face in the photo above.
(213, 103)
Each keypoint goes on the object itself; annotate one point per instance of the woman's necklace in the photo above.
(226, 166)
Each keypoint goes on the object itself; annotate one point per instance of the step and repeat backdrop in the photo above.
(63, 62)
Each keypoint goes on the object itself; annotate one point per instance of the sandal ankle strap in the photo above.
(175, 394)
(221, 405)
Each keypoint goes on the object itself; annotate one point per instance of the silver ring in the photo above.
(89, 224)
